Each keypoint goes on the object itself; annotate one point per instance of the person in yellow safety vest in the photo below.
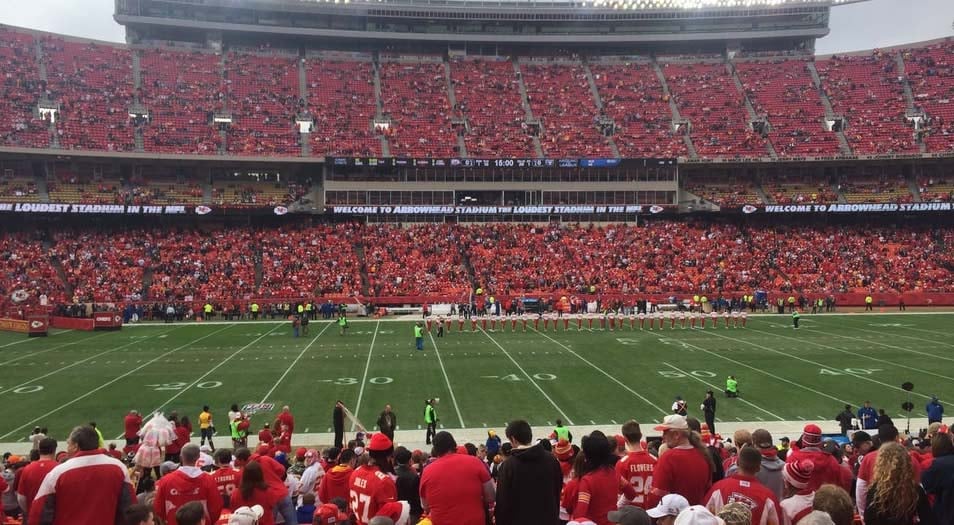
(207, 309)
(479, 291)
(869, 303)
(791, 303)
(254, 309)
(592, 288)
(562, 432)
(308, 310)
(301, 309)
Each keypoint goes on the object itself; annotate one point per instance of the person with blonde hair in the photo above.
(894, 496)
(836, 502)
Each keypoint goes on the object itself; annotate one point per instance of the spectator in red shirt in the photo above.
(456, 489)
(253, 490)
(187, 483)
(827, 469)
(132, 423)
(335, 482)
(371, 485)
(599, 484)
(31, 476)
(265, 435)
(636, 467)
(286, 418)
(226, 477)
(686, 467)
(743, 487)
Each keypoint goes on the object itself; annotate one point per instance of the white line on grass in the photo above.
(364, 380)
(104, 385)
(816, 363)
(742, 399)
(213, 369)
(793, 383)
(28, 339)
(534, 383)
(440, 361)
(895, 334)
(936, 356)
(885, 361)
(295, 362)
(600, 370)
(34, 354)
(67, 367)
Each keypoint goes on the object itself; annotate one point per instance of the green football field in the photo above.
(482, 378)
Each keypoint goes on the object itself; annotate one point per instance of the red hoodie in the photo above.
(827, 469)
(182, 486)
(335, 484)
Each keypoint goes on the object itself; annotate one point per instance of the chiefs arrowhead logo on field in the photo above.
(656, 209)
(203, 210)
(280, 210)
(748, 208)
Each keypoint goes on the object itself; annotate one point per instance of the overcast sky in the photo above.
(867, 25)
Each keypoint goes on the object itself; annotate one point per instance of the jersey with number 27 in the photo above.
(369, 490)
(636, 468)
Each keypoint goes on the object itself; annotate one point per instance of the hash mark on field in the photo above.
(592, 422)
(613, 421)
(739, 418)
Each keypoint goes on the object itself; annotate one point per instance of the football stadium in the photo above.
(475, 262)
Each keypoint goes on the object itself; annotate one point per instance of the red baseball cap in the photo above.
(328, 514)
(380, 443)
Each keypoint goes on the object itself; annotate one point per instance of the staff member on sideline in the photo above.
(430, 418)
(419, 335)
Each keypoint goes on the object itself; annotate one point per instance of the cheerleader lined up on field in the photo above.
(610, 321)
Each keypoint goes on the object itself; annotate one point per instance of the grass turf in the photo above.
(482, 378)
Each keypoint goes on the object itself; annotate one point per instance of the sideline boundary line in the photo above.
(534, 383)
(600, 370)
(364, 380)
(114, 380)
(295, 362)
(449, 388)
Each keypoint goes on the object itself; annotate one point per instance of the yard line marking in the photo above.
(34, 354)
(742, 399)
(28, 339)
(892, 346)
(532, 382)
(104, 385)
(364, 380)
(282, 378)
(444, 371)
(67, 367)
(793, 383)
(600, 370)
(213, 369)
(891, 363)
(816, 363)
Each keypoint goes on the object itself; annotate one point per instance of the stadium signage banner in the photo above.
(34, 325)
(913, 207)
(490, 210)
(95, 209)
(390, 162)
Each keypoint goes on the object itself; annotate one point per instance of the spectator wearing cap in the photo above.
(371, 485)
(629, 515)
(697, 515)
(529, 483)
(329, 514)
(827, 469)
(64, 496)
(32, 475)
(493, 443)
(798, 491)
(744, 487)
(836, 502)
(938, 478)
(770, 471)
(253, 515)
(188, 483)
(668, 508)
(565, 453)
(686, 467)
(456, 489)
(408, 482)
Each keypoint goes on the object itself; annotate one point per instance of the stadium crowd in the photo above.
(231, 265)
(683, 474)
